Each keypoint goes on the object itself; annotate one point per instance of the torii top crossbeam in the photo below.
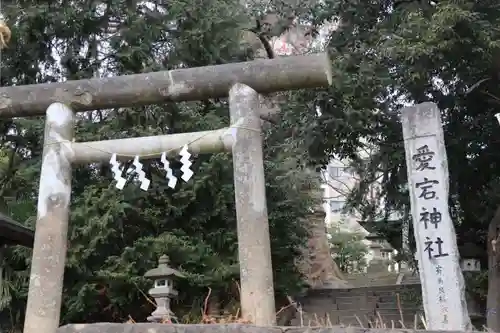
(265, 76)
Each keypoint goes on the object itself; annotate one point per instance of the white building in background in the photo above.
(338, 180)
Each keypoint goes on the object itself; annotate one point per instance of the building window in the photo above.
(336, 206)
(334, 172)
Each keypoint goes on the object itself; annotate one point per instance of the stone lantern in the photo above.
(469, 254)
(163, 290)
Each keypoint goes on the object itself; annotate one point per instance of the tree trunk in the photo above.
(318, 266)
(493, 300)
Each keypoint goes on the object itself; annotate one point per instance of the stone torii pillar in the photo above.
(256, 275)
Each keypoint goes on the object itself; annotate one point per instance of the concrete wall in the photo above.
(233, 328)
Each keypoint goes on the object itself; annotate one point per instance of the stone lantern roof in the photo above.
(13, 233)
(386, 247)
(163, 270)
(373, 237)
(374, 240)
(470, 250)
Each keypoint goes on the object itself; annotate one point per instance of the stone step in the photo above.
(351, 297)
(364, 300)
(387, 305)
(390, 313)
(352, 306)
(411, 278)
(407, 319)
(360, 313)
(352, 321)
(355, 307)
(408, 310)
(383, 289)
(355, 293)
(394, 305)
(387, 299)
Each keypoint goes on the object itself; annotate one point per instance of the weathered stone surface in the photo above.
(231, 328)
(443, 285)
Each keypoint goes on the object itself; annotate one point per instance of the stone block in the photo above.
(231, 328)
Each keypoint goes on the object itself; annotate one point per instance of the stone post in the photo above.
(443, 287)
(49, 249)
(254, 245)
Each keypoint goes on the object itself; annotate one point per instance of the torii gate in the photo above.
(242, 82)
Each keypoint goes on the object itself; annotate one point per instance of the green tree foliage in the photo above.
(116, 236)
(382, 56)
(385, 56)
(348, 249)
(445, 52)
